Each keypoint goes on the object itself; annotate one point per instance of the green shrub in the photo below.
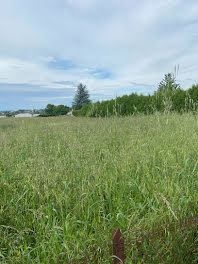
(76, 113)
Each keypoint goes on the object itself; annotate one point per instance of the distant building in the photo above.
(1, 116)
(26, 115)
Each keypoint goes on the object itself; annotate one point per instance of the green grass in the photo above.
(67, 183)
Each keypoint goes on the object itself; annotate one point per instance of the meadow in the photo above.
(67, 183)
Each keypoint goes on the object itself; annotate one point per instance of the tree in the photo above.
(81, 97)
(168, 83)
(166, 89)
(193, 92)
(53, 110)
(61, 110)
(49, 110)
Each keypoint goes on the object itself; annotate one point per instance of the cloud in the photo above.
(66, 83)
(114, 46)
(32, 95)
(101, 74)
(60, 64)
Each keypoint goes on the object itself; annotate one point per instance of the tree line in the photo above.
(55, 110)
(168, 97)
(81, 97)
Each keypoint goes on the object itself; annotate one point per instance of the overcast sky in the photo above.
(115, 47)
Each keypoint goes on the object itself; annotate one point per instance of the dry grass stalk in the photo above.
(168, 205)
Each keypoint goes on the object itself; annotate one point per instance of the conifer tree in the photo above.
(168, 83)
(81, 97)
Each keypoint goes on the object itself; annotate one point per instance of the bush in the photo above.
(174, 100)
(77, 113)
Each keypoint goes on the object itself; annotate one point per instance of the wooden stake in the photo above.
(118, 247)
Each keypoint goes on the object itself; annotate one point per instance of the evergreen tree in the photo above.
(165, 92)
(81, 97)
(168, 83)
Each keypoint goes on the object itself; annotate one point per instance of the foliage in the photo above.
(168, 84)
(76, 113)
(67, 183)
(9, 114)
(52, 110)
(81, 97)
(169, 97)
(49, 110)
(166, 91)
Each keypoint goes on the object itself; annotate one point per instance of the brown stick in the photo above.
(118, 247)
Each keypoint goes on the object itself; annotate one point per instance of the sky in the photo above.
(115, 47)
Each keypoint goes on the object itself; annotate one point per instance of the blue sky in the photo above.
(115, 47)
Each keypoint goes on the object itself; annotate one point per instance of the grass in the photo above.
(67, 183)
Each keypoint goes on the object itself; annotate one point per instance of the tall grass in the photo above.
(67, 183)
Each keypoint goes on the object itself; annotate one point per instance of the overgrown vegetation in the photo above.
(55, 110)
(169, 97)
(67, 183)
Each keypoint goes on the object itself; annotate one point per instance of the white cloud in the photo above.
(136, 41)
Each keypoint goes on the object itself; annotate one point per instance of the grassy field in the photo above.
(67, 183)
